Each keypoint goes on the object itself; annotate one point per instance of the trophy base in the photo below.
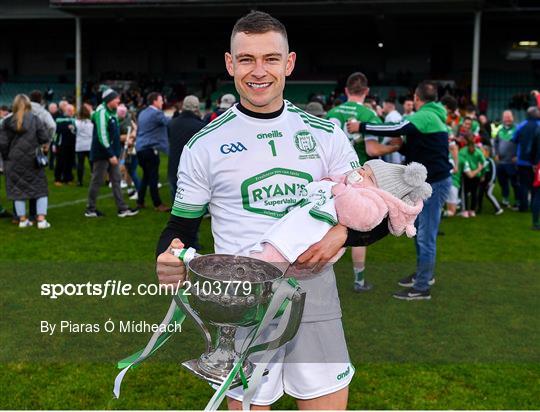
(193, 367)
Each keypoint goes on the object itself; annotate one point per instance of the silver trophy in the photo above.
(225, 292)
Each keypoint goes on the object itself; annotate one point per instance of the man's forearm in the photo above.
(390, 130)
(179, 227)
(355, 238)
(375, 149)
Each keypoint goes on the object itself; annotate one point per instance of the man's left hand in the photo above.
(320, 253)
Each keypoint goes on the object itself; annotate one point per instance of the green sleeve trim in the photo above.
(189, 211)
(323, 216)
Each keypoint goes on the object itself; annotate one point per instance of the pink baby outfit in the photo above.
(346, 199)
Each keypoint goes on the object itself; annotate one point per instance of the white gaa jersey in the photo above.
(249, 171)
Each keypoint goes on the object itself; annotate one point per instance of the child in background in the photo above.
(473, 161)
(453, 199)
(487, 182)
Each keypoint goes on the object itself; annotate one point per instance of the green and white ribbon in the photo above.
(174, 316)
(279, 306)
(283, 295)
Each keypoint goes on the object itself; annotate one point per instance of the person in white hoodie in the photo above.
(83, 140)
(391, 115)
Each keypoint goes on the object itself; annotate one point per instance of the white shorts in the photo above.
(453, 196)
(315, 363)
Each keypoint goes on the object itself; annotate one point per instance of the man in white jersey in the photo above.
(247, 168)
(391, 115)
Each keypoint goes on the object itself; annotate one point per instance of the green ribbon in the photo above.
(178, 317)
(157, 340)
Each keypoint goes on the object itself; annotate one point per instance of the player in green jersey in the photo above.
(367, 147)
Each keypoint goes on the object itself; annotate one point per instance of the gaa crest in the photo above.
(305, 142)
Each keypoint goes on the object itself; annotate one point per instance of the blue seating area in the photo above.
(499, 88)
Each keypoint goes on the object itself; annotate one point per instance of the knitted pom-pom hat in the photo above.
(406, 182)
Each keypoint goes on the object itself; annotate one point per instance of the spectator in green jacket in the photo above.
(104, 154)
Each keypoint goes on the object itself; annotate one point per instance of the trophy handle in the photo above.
(297, 310)
(188, 310)
(186, 255)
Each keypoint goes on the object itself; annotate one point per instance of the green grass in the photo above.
(474, 346)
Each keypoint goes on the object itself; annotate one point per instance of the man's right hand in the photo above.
(113, 160)
(169, 268)
(353, 126)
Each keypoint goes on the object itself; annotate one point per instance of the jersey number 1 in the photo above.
(273, 147)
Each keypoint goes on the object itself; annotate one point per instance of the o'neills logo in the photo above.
(270, 135)
(344, 374)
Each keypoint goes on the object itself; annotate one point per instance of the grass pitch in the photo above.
(475, 345)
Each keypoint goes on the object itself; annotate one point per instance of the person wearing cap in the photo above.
(316, 109)
(426, 143)
(151, 139)
(225, 103)
(104, 153)
(180, 130)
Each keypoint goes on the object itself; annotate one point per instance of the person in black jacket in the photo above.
(180, 130)
(426, 143)
(64, 145)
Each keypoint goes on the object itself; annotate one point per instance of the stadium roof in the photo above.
(176, 8)
(47, 9)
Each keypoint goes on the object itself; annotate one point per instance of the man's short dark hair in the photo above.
(449, 102)
(258, 22)
(36, 96)
(427, 91)
(4, 108)
(391, 101)
(357, 83)
(152, 97)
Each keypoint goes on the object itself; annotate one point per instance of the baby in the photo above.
(359, 200)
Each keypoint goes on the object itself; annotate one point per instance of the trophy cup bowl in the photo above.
(226, 292)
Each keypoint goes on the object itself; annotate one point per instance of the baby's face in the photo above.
(362, 177)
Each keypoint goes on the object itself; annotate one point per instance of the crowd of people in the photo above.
(117, 140)
(110, 141)
(482, 152)
(457, 154)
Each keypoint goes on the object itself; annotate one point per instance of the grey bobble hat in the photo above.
(109, 95)
(406, 182)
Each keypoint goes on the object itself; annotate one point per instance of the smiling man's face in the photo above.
(259, 64)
